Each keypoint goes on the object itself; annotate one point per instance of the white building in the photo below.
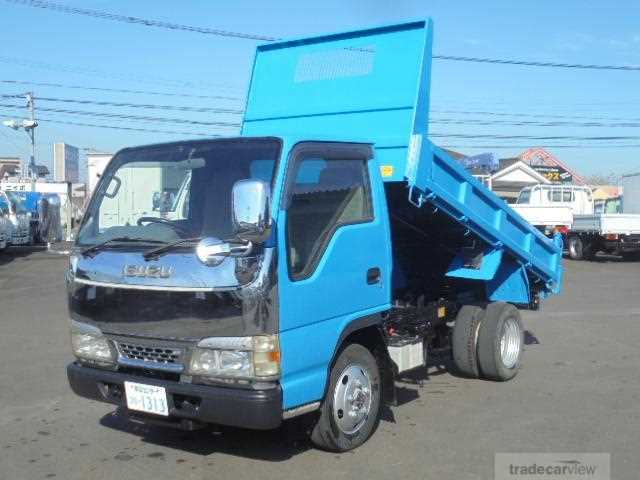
(508, 182)
(66, 163)
(96, 163)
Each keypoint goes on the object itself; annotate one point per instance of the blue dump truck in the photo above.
(297, 270)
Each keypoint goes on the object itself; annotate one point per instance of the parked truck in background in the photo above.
(296, 271)
(551, 208)
(5, 228)
(616, 230)
(43, 211)
(18, 216)
(631, 194)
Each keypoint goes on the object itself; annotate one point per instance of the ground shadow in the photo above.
(293, 437)
(13, 253)
(607, 258)
(272, 445)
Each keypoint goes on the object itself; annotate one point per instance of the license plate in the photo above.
(146, 398)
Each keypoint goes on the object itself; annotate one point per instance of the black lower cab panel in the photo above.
(237, 407)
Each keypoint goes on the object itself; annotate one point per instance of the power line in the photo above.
(545, 146)
(132, 117)
(530, 137)
(626, 123)
(134, 129)
(173, 132)
(530, 123)
(533, 115)
(531, 63)
(225, 33)
(120, 90)
(434, 135)
(115, 127)
(137, 20)
(134, 105)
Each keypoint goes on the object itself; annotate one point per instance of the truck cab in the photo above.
(18, 216)
(297, 270)
(578, 198)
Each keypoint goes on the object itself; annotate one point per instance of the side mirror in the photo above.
(250, 201)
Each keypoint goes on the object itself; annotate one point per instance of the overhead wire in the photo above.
(105, 15)
(119, 90)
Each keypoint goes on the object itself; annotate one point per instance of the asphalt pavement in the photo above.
(578, 391)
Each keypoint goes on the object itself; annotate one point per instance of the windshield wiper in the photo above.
(156, 252)
(99, 246)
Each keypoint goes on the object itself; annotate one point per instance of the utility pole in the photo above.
(32, 135)
(29, 126)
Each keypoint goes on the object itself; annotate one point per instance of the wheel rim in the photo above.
(510, 343)
(572, 247)
(352, 399)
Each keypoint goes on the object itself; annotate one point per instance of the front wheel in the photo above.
(351, 409)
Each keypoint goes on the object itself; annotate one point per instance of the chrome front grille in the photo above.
(150, 356)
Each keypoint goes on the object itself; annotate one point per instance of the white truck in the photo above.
(551, 208)
(5, 229)
(617, 233)
(18, 219)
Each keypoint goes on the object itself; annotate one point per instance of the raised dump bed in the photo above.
(372, 86)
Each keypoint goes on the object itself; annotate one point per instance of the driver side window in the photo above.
(324, 195)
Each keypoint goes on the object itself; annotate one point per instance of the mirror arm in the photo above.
(243, 249)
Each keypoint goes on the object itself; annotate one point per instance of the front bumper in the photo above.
(254, 409)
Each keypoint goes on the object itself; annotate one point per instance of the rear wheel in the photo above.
(631, 256)
(350, 411)
(576, 247)
(465, 340)
(500, 342)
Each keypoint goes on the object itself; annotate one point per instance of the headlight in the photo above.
(88, 343)
(237, 357)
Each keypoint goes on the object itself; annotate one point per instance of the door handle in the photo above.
(373, 276)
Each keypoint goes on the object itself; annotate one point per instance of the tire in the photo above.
(335, 430)
(576, 248)
(465, 340)
(631, 256)
(500, 342)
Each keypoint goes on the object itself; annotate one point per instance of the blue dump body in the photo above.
(372, 86)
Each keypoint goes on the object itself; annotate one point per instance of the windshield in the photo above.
(180, 190)
(612, 205)
(524, 196)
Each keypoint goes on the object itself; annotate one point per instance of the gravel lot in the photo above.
(579, 391)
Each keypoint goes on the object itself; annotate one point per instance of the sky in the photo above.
(47, 46)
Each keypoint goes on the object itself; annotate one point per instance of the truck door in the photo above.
(334, 258)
